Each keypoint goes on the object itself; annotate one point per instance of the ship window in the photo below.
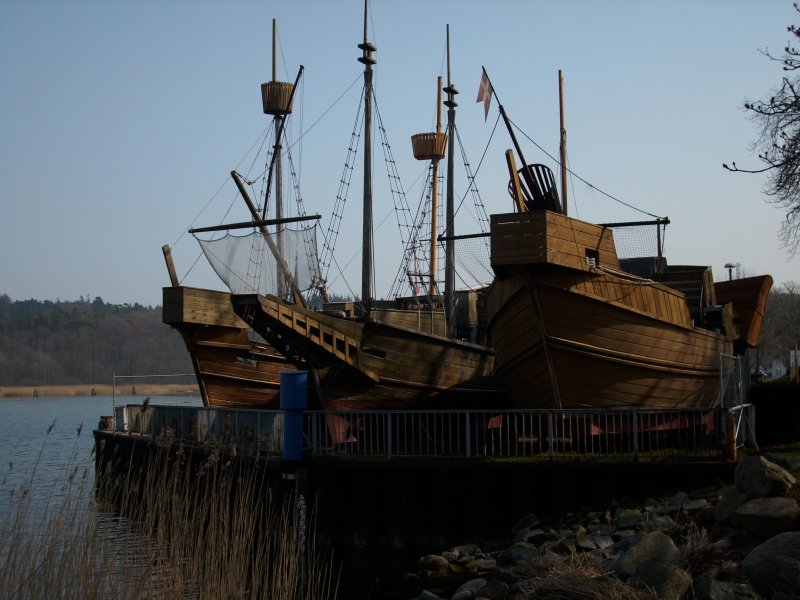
(592, 257)
(327, 338)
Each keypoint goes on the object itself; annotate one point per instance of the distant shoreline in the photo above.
(94, 389)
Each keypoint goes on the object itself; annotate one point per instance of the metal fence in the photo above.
(642, 434)
(244, 429)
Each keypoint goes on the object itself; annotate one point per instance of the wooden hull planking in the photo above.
(373, 365)
(232, 370)
(570, 330)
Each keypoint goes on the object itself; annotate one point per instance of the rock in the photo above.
(669, 581)
(426, 595)
(765, 517)
(657, 523)
(691, 506)
(529, 521)
(730, 498)
(482, 564)
(567, 546)
(679, 498)
(518, 552)
(789, 462)
(470, 589)
(465, 550)
(656, 546)
(707, 588)
(774, 566)
(433, 562)
(628, 518)
(759, 478)
(496, 590)
(539, 536)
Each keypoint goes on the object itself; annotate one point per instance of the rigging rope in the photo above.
(615, 199)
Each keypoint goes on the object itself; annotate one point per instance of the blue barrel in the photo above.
(294, 385)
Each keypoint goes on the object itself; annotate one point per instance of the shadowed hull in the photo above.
(586, 340)
(376, 366)
(232, 370)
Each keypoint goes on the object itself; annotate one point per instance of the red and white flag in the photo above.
(485, 94)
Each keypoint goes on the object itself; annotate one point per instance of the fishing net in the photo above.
(248, 264)
(473, 263)
(639, 239)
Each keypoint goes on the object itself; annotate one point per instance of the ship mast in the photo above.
(563, 142)
(431, 146)
(276, 99)
(366, 260)
(449, 232)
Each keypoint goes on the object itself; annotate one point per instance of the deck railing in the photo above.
(637, 434)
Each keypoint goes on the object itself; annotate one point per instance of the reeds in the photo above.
(173, 526)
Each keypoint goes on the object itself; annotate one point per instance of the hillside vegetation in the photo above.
(61, 343)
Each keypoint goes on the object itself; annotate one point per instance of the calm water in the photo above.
(35, 459)
(32, 457)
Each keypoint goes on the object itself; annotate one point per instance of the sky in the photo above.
(121, 121)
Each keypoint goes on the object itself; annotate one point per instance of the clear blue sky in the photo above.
(120, 120)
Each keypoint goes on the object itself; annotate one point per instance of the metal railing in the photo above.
(244, 429)
(640, 434)
(511, 434)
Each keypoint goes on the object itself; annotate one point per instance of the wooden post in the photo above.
(173, 276)
(730, 436)
(512, 171)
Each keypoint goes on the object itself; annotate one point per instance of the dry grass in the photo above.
(576, 577)
(161, 531)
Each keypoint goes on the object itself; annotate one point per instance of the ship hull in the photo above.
(571, 330)
(232, 370)
(373, 365)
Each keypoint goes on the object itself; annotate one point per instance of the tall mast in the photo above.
(563, 142)
(277, 99)
(449, 232)
(366, 262)
(435, 190)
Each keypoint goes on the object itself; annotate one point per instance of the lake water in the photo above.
(37, 455)
(40, 445)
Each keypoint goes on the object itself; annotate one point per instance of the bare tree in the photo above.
(780, 331)
(778, 145)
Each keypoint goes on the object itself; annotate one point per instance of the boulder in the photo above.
(730, 498)
(517, 553)
(496, 590)
(758, 477)
(668, 581)
(707, 588)
(470, 589)
(427, 595)
(433, 562)
(789, 462)
(529, 521)
(774, 566)
(628, 518)
(765, 517)
(653, 547)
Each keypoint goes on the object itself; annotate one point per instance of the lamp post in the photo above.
(730, 267)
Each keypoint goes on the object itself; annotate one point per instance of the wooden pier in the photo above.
(371, 500)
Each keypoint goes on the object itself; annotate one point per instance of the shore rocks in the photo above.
(774, 566)
(733, 543)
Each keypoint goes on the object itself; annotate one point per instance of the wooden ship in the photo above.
(572, 327)
(234, 366)
(383, 354)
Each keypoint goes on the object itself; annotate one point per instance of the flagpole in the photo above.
(527, 172)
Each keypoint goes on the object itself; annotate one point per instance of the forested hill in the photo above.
(63, 343)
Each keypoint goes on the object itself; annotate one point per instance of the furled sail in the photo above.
(248, 264)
